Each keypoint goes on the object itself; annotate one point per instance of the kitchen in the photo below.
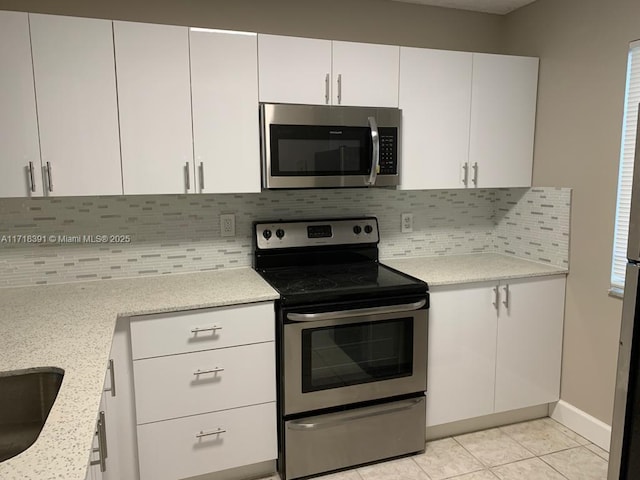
(574, 128)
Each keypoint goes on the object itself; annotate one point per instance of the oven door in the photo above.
(336, 358)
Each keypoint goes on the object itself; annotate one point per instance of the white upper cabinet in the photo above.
(154, 98)
(224, 88)
(365, 74)
(322, 72)
(294, 70)
(435, 98)
(503, 110)
(19, 147)
(76, 98)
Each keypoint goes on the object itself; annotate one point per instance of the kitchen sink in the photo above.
(26, 398)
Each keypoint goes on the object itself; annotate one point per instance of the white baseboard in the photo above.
(582, 423)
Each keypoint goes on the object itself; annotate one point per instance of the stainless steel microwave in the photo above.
(314, 146)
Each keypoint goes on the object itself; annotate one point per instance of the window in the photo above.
(625, 176)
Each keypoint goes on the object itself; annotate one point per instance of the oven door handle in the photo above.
(358, 312)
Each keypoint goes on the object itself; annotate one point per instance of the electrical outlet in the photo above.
(407, 222)
(228, 225)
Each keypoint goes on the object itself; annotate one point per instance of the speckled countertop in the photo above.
(452, 269)
(71, 327)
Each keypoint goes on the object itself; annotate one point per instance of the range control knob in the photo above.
(279, 233)
(357, 229)
(368, 229)
(266, 234)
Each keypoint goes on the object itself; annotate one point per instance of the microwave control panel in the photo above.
(388, 150)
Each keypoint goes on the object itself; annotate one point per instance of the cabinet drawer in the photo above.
(195, 330)
(170, 450)
(168, 387)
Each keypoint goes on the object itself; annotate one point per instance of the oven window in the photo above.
(304, 150)
(343, 355)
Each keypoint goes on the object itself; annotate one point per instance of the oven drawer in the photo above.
(170, 450)
(344, 439)
(170, 387)
(195, 330)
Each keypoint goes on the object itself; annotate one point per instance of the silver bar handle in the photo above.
(32, 179)
(112, 377)
(465, 174)
(101, 432)
(187, 176)
(201, 175)
(339, 88)
(205, 329)
(314, 317)
(505, 302)
(496, 298)
(375, 157)
(341, 418)
(208, 434)
(213, 370)
(326, 89)
(475, 174)
(49, 177)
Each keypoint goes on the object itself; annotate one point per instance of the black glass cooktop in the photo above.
(323, 283)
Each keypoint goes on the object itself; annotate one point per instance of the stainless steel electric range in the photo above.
(351, 345)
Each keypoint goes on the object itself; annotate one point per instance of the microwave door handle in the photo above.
(375, 157)
(315, 317)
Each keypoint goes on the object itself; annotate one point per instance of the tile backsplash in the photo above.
(57, 240)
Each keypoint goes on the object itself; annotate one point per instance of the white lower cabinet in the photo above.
(494, 347)
(195, 445)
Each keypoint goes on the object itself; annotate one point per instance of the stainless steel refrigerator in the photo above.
(624, 459)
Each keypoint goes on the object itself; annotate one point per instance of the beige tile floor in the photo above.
(536, 450)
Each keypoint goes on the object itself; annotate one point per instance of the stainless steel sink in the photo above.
(26, 398)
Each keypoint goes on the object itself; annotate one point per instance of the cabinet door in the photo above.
(294, 70)
(435, 98)
(19, 147)
(529, 351)
(503, 110)
(365, 74)
(122, 459)
(224, 88)
(77, 107)
(461, 355)
(154, 100)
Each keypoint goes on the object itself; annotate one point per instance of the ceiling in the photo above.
(488, 6)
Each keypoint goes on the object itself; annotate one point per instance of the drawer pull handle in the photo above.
(213, 370)
(207, 329)
(208, 434)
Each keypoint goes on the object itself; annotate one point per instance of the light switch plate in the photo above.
(228, 225)
(407, 222)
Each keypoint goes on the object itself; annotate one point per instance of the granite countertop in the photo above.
(71, 327)
(455, 269)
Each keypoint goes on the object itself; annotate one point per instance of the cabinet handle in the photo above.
(205, 329)
(475, 174)
(326, 89)
(187, 176)
(496, 298)
(32, 180)
(505, 302)
(112, 377)
(339, 88)
(49, 178)
(213, 370)
(201, 176)
(465, 174)
(101, 432)
(208, 434)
